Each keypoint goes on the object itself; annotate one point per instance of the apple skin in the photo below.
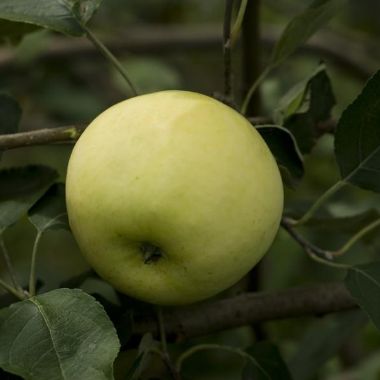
(173, 196)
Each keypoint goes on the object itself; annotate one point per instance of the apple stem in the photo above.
(151, 253)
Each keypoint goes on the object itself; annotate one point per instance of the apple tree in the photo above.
(309, 310)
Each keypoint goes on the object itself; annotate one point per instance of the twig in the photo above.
(320, 255)
(249, 308)
(348, 53)
(41, 137)
(227, 48)
(110, 57)
(70, 134)
(288, 225)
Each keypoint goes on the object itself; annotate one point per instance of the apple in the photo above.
(173, 196)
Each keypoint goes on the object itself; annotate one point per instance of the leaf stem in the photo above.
(8, 264)
(203, 347)
(253, 88)
(164, 353)
(238, 22)
(161, 327)
(315, 253)
(319, 202)
(354, 239)
(17, 293)
(332, 264)
(32, 277)
(110, 57)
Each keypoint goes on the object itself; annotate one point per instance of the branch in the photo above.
(351, 54)
(227, 48)
(248, 308)
(41, 137)
(71, 134)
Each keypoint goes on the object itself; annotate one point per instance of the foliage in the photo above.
(69, 334)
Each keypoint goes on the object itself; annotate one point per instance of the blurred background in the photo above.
(177, 44)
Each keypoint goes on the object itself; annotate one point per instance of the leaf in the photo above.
(10, 114)
(305, 106)
(84, 9)
(363, 282)
(284, 148)
(50, 210)
(357, 138)
(303, 26)
(322, 341)
(269, 358)
(61, 335)
(294, 99)
(64, 16)
(20, 188)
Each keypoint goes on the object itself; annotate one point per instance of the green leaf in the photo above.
(20, 188)
(284, 148)
(269, 358)
(10, 115)
(64, 16)
(297, 99)
(61, 335)
(322, 341)
(84, 9)
(357, 138)
(303, 26)
(363, 282)
(50, 210)
(305, 106)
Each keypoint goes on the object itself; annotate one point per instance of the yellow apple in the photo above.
(173, 196)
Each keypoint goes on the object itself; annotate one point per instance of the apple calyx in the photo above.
(151, 253)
